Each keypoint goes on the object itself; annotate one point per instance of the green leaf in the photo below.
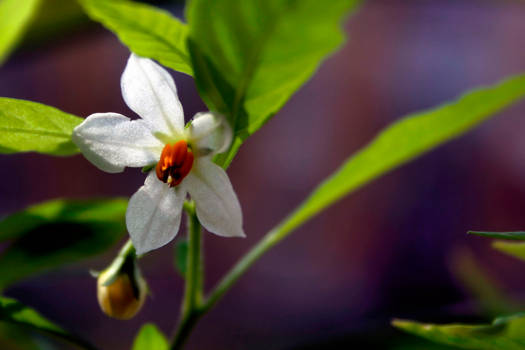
(516, 235)
(504, 333)
(249, 57)
(150, 337)
(14, 312)
(181, 256)
(146, 30)
(58, 232)
(15, 15)
(27, 126)
(405, 140)
(515, 249)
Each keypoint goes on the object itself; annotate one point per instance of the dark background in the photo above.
(392, 249)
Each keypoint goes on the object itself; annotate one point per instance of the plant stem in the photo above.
(127, 249)
(268, 241)
(190, 311)
(273, 237)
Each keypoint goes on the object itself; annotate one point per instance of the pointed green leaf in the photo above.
(249, 57)
(405, 140)
(181, 256)
(14, 18)
(56, 233)
(504, 333)
(14, 312)
(515, 249)
(150, 337)
(146, 30)
(27, 126)
(515, 235)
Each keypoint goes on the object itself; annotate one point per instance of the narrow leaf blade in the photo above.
(146, 30)
(15, 15)
(514, 235)
(405, 140)
(249, 57)
(503, 333)
(27, 126)
(150, 337)
(14, 312)
(56, 233)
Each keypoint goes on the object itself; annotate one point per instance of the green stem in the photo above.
(127, 249)
(190, 312)
(268, 241)
(201, 308)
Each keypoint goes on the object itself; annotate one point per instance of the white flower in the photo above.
(181, 158)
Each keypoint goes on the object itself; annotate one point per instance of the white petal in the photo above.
(218, 208)
(210, 133)
(150, 92)
(112, 142)
(153, 214)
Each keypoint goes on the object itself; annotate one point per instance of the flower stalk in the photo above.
(191, 304)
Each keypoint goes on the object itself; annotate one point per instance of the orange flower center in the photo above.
(175, 163)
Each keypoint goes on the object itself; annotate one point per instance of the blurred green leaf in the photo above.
(146, 30)
(405, 140)
(14, 312)
(506, 333)
(27, 126)
(181, 255)
(53, 19)
(516, 235)
(56, 233)
(14, 18)
(14, 337)
(249, 57)
(515, 249)
(482, 287)
(149, 338)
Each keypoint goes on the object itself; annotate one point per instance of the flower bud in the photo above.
(121, 289)
(210, 133)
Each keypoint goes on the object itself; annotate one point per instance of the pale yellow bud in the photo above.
(118, 300)
(121, 289)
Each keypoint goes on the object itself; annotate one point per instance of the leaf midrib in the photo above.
(37, 132)
(253, 61)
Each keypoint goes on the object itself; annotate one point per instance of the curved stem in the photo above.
(268, 241)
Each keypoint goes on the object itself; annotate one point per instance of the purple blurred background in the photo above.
(385, 251)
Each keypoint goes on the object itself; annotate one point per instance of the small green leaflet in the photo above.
(14, 312)
(150, 338)
(33, 127)
(56, 233)
(249, 57)
(15, 15)
(514, 235)
(506, 333)
(181, 256)
(405, 140)
(146, 30)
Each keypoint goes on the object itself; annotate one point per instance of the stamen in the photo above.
(175, 163)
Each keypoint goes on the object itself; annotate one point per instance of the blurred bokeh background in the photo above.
(396, 248)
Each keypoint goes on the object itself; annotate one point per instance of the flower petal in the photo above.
(149, 90)
(210, 133)
(112, 142)
(218, 208)
(153, 214)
